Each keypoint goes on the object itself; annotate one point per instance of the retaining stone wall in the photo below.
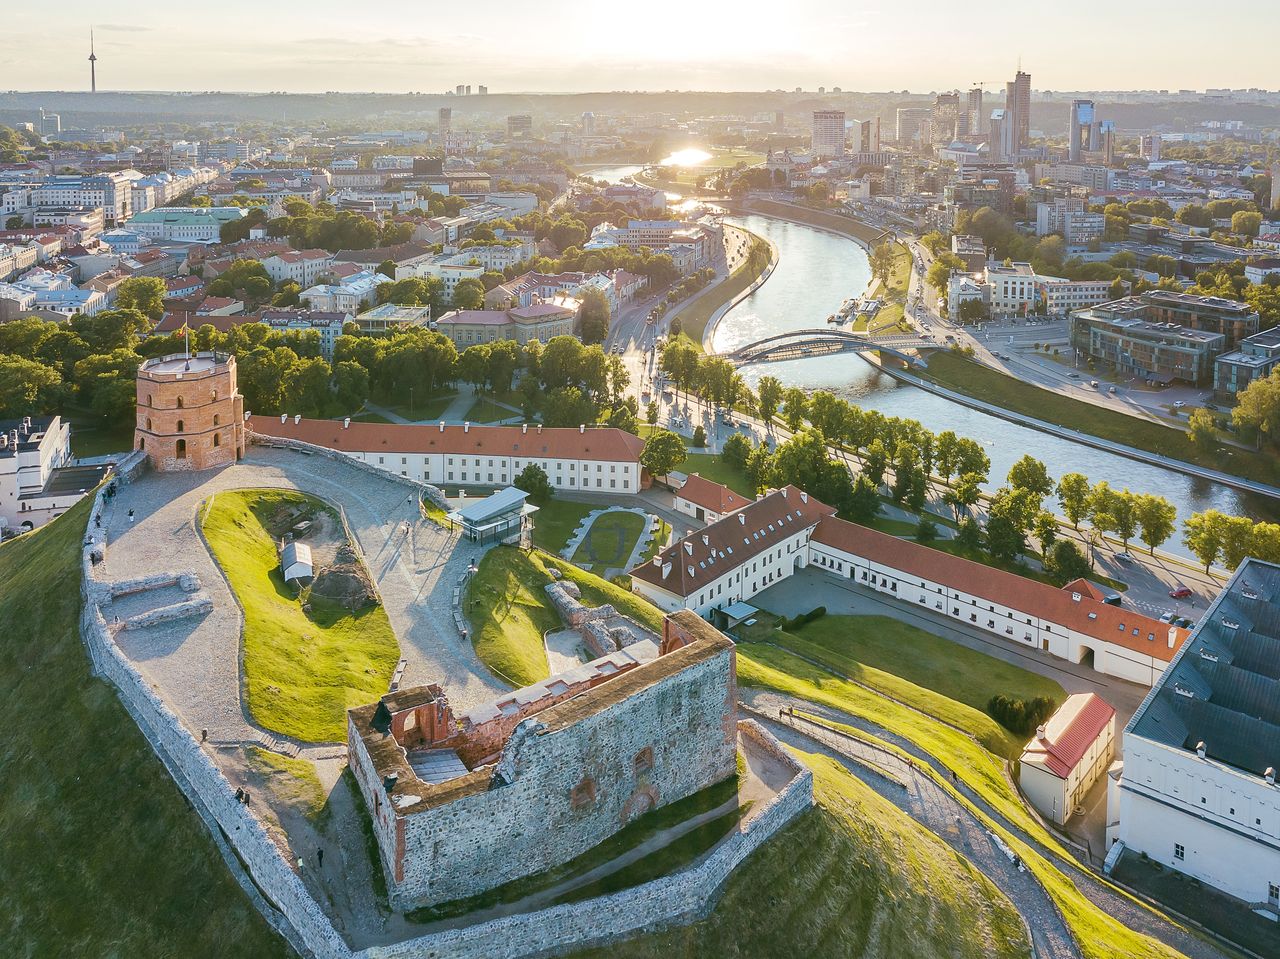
(279, 894)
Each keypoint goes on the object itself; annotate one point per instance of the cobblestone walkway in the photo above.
(930, 805)
(1113, 903)
(195, 663)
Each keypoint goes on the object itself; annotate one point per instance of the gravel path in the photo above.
(195, 663)
(925, 801)
(1113, 903)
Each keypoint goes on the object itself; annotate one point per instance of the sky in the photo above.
(590, 45)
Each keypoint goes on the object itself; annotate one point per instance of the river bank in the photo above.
(732, 292)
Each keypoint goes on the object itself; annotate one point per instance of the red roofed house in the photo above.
(749, 550)
(1070, 752)
(594, 460)
(707, 501)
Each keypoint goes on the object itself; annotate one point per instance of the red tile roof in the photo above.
(1085, 588)
(607, 445)
(1069, 733)
(1088, 616)
(703, 557)
(711, 496)
(175, 320)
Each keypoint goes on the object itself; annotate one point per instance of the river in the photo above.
(818, 271)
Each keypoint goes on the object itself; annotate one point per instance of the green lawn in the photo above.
(695, 316)
(485, 410)
(853, 877)
(290, 780)
(509, 611)
(302, 671)
(103, 855)
(609, 541)
(942, 678)
(659, 540)
(430, 408)
(555, 522)
(1099, 936)
(955, 372)
(711, 466)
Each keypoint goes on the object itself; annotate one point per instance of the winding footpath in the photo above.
(1105, 897)
(916, 794)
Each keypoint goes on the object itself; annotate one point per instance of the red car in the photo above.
(1180, 592)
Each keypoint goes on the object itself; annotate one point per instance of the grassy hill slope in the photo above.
(102, 855)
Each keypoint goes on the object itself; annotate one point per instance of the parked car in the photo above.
(1180, 592)
(1167, 618)
(1183, 622)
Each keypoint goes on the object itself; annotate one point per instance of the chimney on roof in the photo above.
(657, 561)
(539, 429)
(466, 426)
(346, 422)
(1200, 749)
(524, 428)
(297, 418)
(1042, 734)
(26, 424)
(1173, 636)
(582, 427)
(284, 417)
(442, 426)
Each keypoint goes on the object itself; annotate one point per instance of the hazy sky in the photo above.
(576, 45)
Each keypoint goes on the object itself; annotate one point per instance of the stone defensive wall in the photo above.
(280, 895)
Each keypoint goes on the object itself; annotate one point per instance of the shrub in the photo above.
(1019, 715)
(699, 437)
(791, 625)
(926, 531)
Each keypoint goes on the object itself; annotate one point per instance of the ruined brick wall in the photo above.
(573, 787)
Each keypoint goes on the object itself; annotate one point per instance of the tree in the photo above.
(593, 316)
(651, 415)
(14, 222)
(1237, 540)
(939, 275)
(699, 437)
(864, 503)
(504, 358)
(388, 269)
(906, 469)
(663, 451)
(468, 294)
(351, 384)
(882, 262)
(1203, 534)
(142, 293)
(969, 536)
(971, 311)
(736, 450)
(306, 387)
(964, 493)
(795, 405)
(768, 396)
(533, 480)
(473, 365)
(568, 406)
(1246, 223)
(1045, 530)
(1065, 562)
(1258, 406)
(26, 387)
(1073, 495)
(1202, 429)
(1031, 475)
(106, 383)
(1157, 519)
(759, 467)
(875, 462)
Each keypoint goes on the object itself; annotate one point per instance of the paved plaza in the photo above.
(195, 663)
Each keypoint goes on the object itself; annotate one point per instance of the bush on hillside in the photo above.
(791, 625)
(1019, 715)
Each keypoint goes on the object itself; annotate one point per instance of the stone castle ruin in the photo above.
(463, 804)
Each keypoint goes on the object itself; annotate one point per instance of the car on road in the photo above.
(1112, 599)
(1124, 557)
(1111, 389)
(1074, 375)
(1094, 384)
(1180, 592)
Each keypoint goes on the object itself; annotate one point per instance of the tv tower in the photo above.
(93, 66)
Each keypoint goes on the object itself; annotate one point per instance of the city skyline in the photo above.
(718, 46)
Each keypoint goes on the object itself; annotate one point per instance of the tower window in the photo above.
(181, 449)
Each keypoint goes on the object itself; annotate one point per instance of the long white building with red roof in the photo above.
(785, 531)
(587, 460)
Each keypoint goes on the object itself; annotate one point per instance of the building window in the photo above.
(179, 402)
(644, 760)
(181, 450)
(583, 794)
(1179, 852)
(148, 422)
(180, 427)
(217, 420)
(217, 440)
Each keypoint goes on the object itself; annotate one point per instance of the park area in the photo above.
(307, 657)
(610, 540)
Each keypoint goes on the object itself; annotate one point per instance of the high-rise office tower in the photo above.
(1017, 105)
(457, 91)
(864, 135)
(1105, 131)
(446, 119)
(912, 124)
(828, 133)
(1000, 131)
(944, 118)
(1149, 146)
(588, 124)
(779, 119)
(482, 90)
(1080, 134)
(974, 109)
